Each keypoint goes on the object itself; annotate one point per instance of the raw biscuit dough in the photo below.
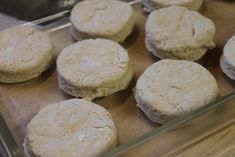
(72, 128)
(93, 68)
(227, 60)
(178, 33)
(110, 19)
(170, 88)
(151, 5)
(24, 54)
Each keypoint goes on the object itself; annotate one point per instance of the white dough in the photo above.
(72, 128)
(93, 68)
(227, 60)
(24, 54)
(151, 5)
(110, 19)
(170, 88)
(178, 33)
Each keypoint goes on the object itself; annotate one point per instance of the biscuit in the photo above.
(108, 19)
(178, 33)
(171, 88)
(227, 60)
(151, 5)
(72, 128)
(24, 54)
(93, 68)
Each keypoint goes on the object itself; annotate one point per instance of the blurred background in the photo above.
(33, 9)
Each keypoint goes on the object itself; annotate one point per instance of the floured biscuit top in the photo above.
(174, 87)
(178, 27)
(23, 48)
(93, 62)
(101, 17)
(73, 128)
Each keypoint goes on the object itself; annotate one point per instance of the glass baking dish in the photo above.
(136, 134)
